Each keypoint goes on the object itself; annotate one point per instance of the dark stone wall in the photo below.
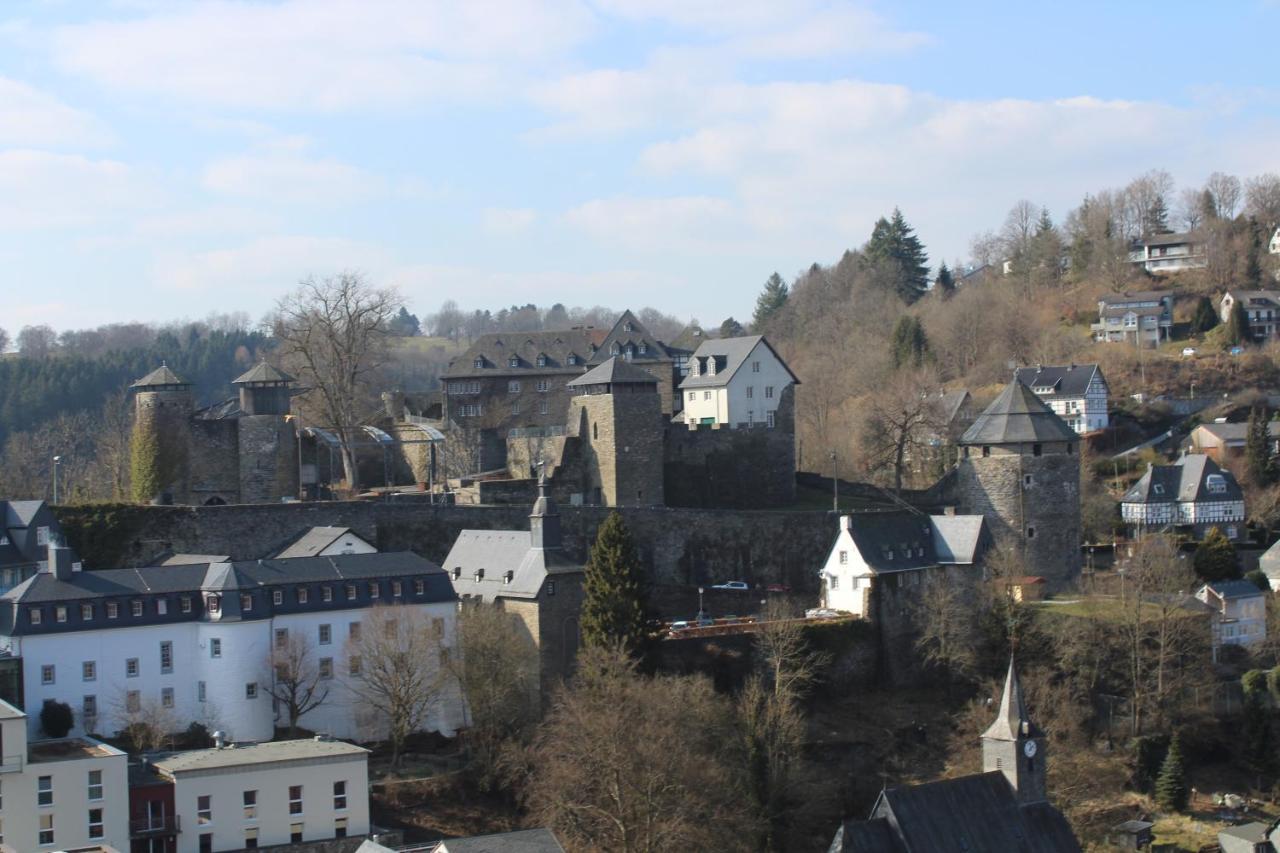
(268, 458)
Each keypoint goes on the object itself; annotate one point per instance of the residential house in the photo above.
(1144, 318)
(1240, 613)
(1269, 564)
(325, 542)
(1077, 393)
(1252, 837)
(519, 841)
(26, 529)
(1273, 246)
(1003, 808)
(1221, 441)
(897, 551)
(1191, 496)
(735, 382)
(1161, 254)
(1261, 307)
(196, 639)
(60, 793)
(246, 796)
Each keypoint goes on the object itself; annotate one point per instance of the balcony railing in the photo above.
(147, 826)
(12, 763)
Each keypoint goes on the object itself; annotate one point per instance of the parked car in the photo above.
(739, 586)
(778, 587)
(679, 626)
(821, 613)
(1187, 352)
(1237, 350)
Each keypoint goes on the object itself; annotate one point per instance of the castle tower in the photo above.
(267, 441)
(1020, 468)
(616, 412)
(1014, 745)
(163, 406)
(544, 521)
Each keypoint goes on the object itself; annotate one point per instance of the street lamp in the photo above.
(700, 590)
(835, 485)
(57, 462)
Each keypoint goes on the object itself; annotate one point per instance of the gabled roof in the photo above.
(957, 539)
(633, 336)
(1070, 380)
(520, 841)
(1018, 416)
(261, 372)
(1127, 297)
(1270, 297)
(162, 375)
(314, 540)
(730, 355)
(1186, 480)
(1175, 239)
(1234, 589)
(614, 371)
(689, 339)
(496, 350)
(952, 402)
(893, 541)
(498, 552)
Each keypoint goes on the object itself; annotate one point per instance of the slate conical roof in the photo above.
(615, 370)
(261, 372)
(1013, 715)
(161, 376)
(1017, 416)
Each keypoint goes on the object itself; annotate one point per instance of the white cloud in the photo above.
(288, 176)
(508, 220)
(30, 117)
(42, 189)
(425, 286)
(681, 223)
(268, 264)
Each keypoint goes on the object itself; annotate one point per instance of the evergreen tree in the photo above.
(1171, 784)
(1215, 557)
(1044, 224)
(1205, 317)
(1257, 448)
(1157, 218)
(145, 464)
(769, 303)
(613, 608)
(894, 242)
(945, 282)
(909, 346)
(1253, 260)
(1256, 732)
(404, 324)
(1238, 325)
(731, 328)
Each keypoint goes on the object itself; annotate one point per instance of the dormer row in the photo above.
(541, 360)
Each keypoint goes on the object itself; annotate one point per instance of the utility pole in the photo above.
(835, 484)
(57, 463)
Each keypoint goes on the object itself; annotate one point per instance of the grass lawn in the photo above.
(820, 499)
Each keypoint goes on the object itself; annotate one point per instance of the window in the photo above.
(478, 576)
(768, 392)
(326, 593)
(86, 612)
(353, 665)
(1031, 533)
(693, 395)
(295, 833)
(206, 843)
(46, 674)
(44, 791)
(302, 595)
(833, 582)
(351, 591)
(42, 536)
(251, 690)
(514, 361)
(213, 604)
(706, 395)
(251, 838)
(95, 823)
(200, 691)
(166, 697)
(551, 587)
(437, 628)
(35, 615)
(185, 603)
(573, 359)
(544, 385)
(133, 701)
(542, 361)
(204, 809)
(277, 597)
(166, 656)
(513, 387)
(755, 367)
(844, 558)
(768, 419)
(215, 648)
(1026, 479)
(326, 668)
(339, 827)
(543, 407)
(339, 795)
(595, 431)
(282, 638)
(751, 391)
(515, 407)
(250, 805)
(295, 799)
(375, 589)
(478, 363)
(246, 602)
(395, 589)
(60, 614)
(986, 450)
(326, 634)
(1216, 483)
(136, 608)
(353, 632)
(89, 710)
(95, 785)
(46, 828)
(419, 587)
(1037, 449)
(113, 610)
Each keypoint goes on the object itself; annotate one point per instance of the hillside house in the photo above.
(1144, 318)
(1239, 613)
(26, 529)
(1273, 246)
(735, 382)
(1161, 254)
(1269, 563)
(1077, 393)
(1190, 496)
(1221, 441)
(1261, 307)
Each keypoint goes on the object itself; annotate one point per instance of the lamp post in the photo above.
(835, 485)
(700, 590)
(57, 463)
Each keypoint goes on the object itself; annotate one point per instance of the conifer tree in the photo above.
(731, 328)
(1215, 558)
(613, 609)
(909, 346)
(1238, 325)
(894, 241)
(1205, 317)
(144, 463)
(1257, 448)
(1157, 218)
(769, 303)
(945, 282)
(1171, 784)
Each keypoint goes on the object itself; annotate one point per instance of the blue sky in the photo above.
(161, 160)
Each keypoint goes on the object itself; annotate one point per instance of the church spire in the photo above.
(1013, 721)
(1014, 746)
(544, 521)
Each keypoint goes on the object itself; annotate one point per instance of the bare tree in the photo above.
(1191, 208)
(397, 672)
(146, 724)
(1226, 192)
(334, 332)
(1019, 228)
(4, 341)
(948, 638)
(900, 420)
(294, 678)
(1141, 197)
(1262, 199)
(447, 322)
(37, 341)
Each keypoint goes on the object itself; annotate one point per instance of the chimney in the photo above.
(219, 740)
(60, 559)
(948, 510)
(846, 522)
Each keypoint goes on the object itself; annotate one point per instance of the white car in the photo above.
(738, 586)
(1187, 352)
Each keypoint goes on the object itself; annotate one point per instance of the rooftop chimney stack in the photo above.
(60, 560)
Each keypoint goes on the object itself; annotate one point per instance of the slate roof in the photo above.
(520, 841)
(730, 355)
(1269, 298)
(1071, 380)
(314, 540)
(615, 370)
(1136, 296)
(1170, 239)
(957, 539)
(162, 375)
(1012, 716)
(192, 559)
(262, 372)
(1018, 416)
(1234, 589)
(952, 402)
(19, 523)
(1121, 310)
(1254, 832)
(496, 350)
(1183, 481)
(254, 755)
(689, 339)
(1269, 562)
(638, 334)
(894, 541)
(1238, 432)
(499, 552)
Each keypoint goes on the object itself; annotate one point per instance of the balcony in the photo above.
(12, 763)
(149, 826)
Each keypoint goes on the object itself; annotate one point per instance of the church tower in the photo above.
(1014, 745)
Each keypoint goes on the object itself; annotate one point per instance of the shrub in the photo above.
(56, 718)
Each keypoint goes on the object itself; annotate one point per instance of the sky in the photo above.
(166, 160)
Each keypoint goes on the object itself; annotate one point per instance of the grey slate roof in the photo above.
(521, 841)
(495, 351)
(953, 403)
(1012, 716)
(1071, 380)
(633, 338)
(1264, 298)
(192, 559)
(162, 375)
(1269, 562)
(957, 539)
(615, 370)
(730, 355)
(1128, 298)
(254, 755)
(19, 523)
(1184, 481)
(894, 541)
(314, 540)
(262, 372)
(499, 552)
(1235, 589)
(1018, 416)
(1171, 239)
(1121, 310)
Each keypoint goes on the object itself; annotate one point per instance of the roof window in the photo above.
(508, 576)
(479, 362)
(479, 575)
(542, 360)
(1216, 483)
(514, 361)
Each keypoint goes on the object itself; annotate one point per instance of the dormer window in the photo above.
(573, 359)
(1157, 489)
(479, 575)
(628, 327)
(1216, 483)
(615, 349)
(478, 363)
(457, 572)
(711, 366)
(644, 347)
(514, 361)
(213, 604)
(508, 576)
(542, 360)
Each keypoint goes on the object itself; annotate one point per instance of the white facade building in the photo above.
(1077, 393)
(257, 795)
(1239, 613)
(1261, 308)
(1194, 494)
(735, 382)
(196, 640)
(1161, 254)
(59, 794)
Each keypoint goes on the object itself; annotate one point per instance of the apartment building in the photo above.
(1143, 319)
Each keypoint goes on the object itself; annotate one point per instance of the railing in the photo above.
(11, 764)
(163, 825)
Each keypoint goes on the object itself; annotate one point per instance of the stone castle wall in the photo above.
(268, 458)
(215, 461)
(613, 453)
(168, 411)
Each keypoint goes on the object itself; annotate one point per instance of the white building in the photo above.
(735, 382)
(326, 542)
(241, 797)
(1161, 254)
(59, 794)
(1144, 318)
(1192, 495)
(1077, 393)
(1240, 613)
(1261, 308)
(195, 640)
(877, 546)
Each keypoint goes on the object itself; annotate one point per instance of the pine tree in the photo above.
(909, 346)
(1257, 448)
(1045, 224)
(1238, 325)
(945, 282)
(1171, 784)
(769, 303)
(1205, 317)
(893, 241)
(1157, 218)
(1215, 557)
(144, 463)
(731, 328)
(1256, 732)
(613, 609)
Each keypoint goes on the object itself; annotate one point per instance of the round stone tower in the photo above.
(1020, 468)
(616, 412)
(268, 443)
(163, 405)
